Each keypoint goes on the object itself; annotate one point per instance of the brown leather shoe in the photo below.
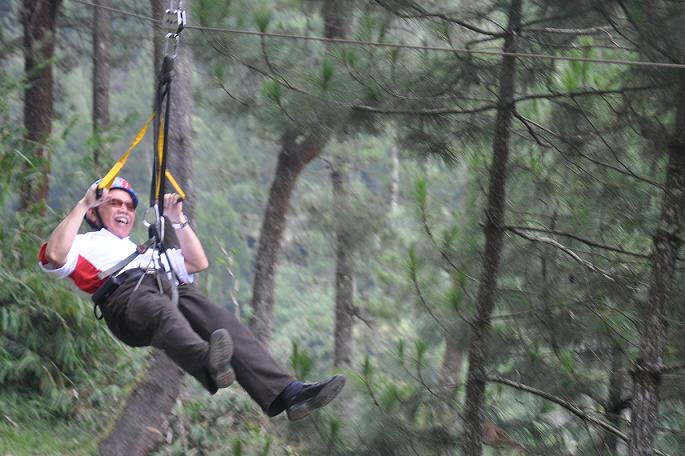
(220, 353)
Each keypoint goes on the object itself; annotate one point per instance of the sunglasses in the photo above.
(117, 203)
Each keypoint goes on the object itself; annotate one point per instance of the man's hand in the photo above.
(63, 235)
(173, 208)
(91, 200)
(191, 248)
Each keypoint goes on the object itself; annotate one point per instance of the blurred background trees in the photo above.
(488, 246)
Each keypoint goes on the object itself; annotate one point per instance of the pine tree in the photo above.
(39, 22)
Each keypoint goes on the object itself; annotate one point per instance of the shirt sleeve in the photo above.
(64, 271)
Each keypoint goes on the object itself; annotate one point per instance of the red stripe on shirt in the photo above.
(41, 254)
(85, 276)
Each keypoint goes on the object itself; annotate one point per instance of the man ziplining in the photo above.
(138, 301)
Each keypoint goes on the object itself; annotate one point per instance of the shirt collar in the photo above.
(105, 232)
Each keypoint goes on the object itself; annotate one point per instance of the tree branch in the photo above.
(602, 30)
(493, 106)
(419, 293)
(422, 13)
(566, 250)
(672, 368)
(577, 411)
(629, 173)
(577, 238)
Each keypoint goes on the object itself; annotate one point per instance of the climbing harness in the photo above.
(173, 22)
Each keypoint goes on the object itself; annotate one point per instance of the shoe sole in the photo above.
(326, 395)
(220, 353)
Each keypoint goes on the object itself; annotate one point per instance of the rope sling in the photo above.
(174, 20)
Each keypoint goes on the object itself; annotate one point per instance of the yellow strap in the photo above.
(177, 187)
(112, 174)
(160, 153)
(160, 156)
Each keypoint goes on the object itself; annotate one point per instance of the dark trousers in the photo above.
(146, 317)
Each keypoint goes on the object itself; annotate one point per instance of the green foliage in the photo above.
(272, 91)
(60, 370)
(225, 423)
(29, 428)
(237, 448)
(51, 344)
(300, 361)
(421, 348)
(327, 73)
(263, 16)
(421, 194)
(455, 297)
(349, 57)
(413, 262)
(567, 361)
(207, 12)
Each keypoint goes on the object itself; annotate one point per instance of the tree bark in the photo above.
(395, 178)
(137, 429)
(295, 153)
(180, 124)
(102, 42)
(140, 425)
(297, 149)
(615, 402)
(38, 18)
(157, 7)
(646, 372)
(450, 369)
(344, 269)
(472, 441)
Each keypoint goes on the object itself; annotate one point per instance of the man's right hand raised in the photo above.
(90, 199)
(63, 235)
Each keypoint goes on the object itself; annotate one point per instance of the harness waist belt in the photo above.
(110, 286)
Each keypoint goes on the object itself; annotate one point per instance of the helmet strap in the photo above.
(96, 225)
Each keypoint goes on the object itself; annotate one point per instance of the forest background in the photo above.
(488, 246)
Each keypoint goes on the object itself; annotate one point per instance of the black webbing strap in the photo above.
(159, 164)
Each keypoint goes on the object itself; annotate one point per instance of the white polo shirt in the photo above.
(97, 251)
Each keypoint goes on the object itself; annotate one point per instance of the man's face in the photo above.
(118, 213)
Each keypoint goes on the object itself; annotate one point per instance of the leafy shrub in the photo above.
(50, 342)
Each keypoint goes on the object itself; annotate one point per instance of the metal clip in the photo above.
(169, 36)
(174, 19)
(146, 221)
(160, 228)
(158, 222)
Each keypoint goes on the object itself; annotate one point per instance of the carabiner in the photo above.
(168, 36)
(146, 221)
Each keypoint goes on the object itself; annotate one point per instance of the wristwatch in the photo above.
(183, 224)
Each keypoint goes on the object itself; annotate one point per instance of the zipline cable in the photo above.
(522, 55)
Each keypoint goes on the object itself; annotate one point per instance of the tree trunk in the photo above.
(102, 42)
(450, 370)
(474, 418)
(38, 19)
(615, 402)
(158, 7)
(297, 149)
(344, 269)
(180, 125)
(647, 369)
(292, 159)
(140, 425)
(138, 428)
(395, 178)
